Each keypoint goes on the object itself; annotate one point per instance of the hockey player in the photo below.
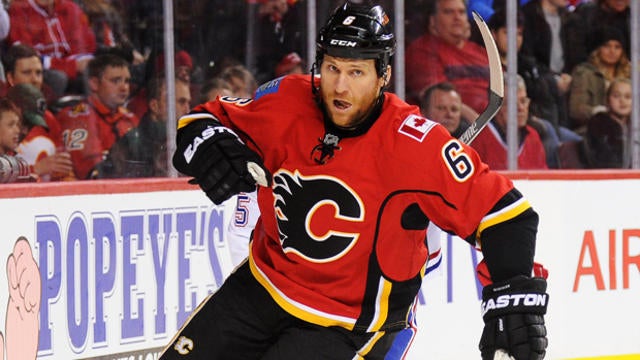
(351, 175)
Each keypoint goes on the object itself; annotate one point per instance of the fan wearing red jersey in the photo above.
(91, 127)
(354, 176)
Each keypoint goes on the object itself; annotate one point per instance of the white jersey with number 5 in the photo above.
(241, 226)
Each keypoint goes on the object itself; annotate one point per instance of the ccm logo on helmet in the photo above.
(206, 134)
(514, 300)
(345, 43)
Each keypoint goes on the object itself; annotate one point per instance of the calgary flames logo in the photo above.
(316, 215)
(183, 345)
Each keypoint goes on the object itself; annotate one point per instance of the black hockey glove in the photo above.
(217, 159)
(513, 313)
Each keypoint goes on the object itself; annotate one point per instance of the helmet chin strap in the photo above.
(328, 144)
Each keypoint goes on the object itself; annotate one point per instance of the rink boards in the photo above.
(91, 284)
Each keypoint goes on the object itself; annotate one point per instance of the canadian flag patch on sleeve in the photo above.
(416, 127)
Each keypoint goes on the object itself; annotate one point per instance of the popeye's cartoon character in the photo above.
(20, 339)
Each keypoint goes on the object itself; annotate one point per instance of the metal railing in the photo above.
(399, 67)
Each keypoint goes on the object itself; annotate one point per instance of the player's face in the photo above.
(445, 107)
(620, 99)
(112, 88)
(26, 71)
(349, 89)
(9, 131)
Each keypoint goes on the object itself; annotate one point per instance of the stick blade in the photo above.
(496, 83)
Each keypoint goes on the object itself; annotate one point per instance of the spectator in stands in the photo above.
(91, 127)
(546, 97)
(609, 137)
(23, 66)
(40, 151)
(59, 30)
(108, 27)
(547, 110)
(242, 81)
(142, 152)
(183, 67)
(10, 127)
(590, 15)
(445, 53)
(491, 143)
(13, 168)
(543, 38)
(280, 31)
(213, 88)
(442, 103)
(591, 78)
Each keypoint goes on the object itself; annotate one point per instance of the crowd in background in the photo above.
(83, 86)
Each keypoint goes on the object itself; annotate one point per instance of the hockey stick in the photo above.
(496, 83)
(496, 95)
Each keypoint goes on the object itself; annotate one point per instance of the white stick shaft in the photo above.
(496, 83)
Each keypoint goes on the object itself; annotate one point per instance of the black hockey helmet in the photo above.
(357, 31)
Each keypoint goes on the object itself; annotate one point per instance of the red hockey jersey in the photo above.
(89, 129)
(335, 244)
(61, 36)
(493, 149)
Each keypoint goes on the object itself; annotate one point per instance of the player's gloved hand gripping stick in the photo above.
(513, 311)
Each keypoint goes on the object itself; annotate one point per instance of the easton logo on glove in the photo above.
(514, 301)
(513, 313)
(206, 134)
(519, 295)
(220, 163)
